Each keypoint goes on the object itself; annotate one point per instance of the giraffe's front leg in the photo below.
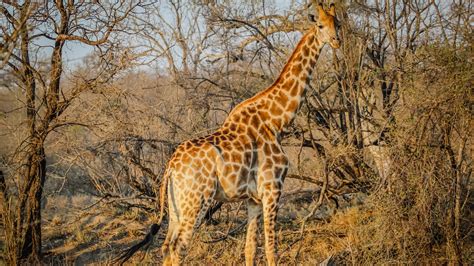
(270, 208)
(254, 211)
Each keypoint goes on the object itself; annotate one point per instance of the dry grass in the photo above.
(97, 235)
(365, 229)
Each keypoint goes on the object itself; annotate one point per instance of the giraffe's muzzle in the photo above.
(335, 43)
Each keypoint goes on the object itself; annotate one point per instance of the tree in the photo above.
(34, 36)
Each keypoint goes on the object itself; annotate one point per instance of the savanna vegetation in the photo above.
(381, 151)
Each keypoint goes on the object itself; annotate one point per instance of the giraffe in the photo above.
(243, 159)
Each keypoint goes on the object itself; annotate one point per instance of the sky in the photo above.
(75, 51)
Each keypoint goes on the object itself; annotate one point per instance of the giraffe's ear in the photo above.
(332, 10)
(311, 18)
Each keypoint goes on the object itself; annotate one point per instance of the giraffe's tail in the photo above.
(154, 228)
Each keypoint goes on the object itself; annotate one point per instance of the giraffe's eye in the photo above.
(320, 26)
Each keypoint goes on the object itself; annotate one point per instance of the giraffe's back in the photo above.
(227, 161)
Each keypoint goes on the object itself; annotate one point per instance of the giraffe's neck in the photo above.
(277, 105)
(285, 95)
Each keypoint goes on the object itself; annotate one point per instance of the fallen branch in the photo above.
(344, 188)
(305, 178)
(232, 233)
(297, 192)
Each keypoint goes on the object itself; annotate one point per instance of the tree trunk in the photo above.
(29, 209)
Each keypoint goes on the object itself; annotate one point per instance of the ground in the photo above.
(83, 229)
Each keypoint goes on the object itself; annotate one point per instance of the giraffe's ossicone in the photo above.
(243, 159)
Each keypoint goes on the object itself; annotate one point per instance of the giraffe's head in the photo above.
(327, 25)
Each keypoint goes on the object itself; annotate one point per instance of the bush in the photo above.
(423, 213)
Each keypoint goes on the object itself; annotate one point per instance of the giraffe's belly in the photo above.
(236, 182)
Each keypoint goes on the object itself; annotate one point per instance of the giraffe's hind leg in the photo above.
(172, 223)
(183, 233)
(191, 213)
(170, 235)
(180, 241)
